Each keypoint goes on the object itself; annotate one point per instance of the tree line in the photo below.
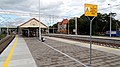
(100, 24)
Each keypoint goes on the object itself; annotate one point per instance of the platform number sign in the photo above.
(90, 10)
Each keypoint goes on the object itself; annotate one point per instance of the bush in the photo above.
(2, 36)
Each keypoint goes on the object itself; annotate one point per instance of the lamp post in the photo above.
(53, 23)
(68, 28)
(39, 23)
(110, 19)
(75, 25)
(48, 26)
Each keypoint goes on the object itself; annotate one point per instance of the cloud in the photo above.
(8, 4)
(101, 1)
(11, 1)
(59, 7)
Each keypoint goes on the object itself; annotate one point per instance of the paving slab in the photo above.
(21, 57)
(100, 57)
(47, 57)
(97, 47)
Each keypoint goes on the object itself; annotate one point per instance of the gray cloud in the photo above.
(29, 5)
(56, 7)
(113, 0)
(52, 6)
(11, 1)
(101, 1)
(11, 4)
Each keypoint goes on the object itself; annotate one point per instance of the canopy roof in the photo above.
(33, 23)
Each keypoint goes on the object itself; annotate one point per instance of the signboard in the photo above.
(90, 10)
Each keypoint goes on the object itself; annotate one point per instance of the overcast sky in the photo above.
(69, 8)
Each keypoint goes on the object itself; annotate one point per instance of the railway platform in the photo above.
(56, 52)
(97, 47)
(17, 54)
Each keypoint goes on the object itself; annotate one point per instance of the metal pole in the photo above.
(91, 40)
(75, 25)
(48, 27)
(7, 30)
(110, 19)
(53, 24)
(39, 23)
(68, 28)
(28, 33)
(116, 26)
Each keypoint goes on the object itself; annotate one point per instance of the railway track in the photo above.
(102, 41)
(5, 42)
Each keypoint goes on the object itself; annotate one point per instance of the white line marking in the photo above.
(66, 55)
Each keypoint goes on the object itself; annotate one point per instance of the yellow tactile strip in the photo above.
(6, 63)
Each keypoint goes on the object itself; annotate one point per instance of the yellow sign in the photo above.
(90, 10)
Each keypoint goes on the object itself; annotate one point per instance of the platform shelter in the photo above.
(31, 28)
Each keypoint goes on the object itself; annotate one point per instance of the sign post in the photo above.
(90, 10)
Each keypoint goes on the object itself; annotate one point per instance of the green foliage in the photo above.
(71, 25)
(2, 36)
(55, 26)
(100, 24)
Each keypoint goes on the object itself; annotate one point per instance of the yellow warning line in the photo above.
(10, 53)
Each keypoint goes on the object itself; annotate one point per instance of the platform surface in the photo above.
(87, 45)
(17, 54)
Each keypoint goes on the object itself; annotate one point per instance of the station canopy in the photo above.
(33, 23)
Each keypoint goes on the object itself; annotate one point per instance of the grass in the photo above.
(2, 36)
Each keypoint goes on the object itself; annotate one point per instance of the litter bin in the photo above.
(42, 39)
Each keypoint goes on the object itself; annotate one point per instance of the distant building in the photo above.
(62, 26)
(8, 30)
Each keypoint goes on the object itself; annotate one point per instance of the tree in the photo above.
(71, 26)
(100, 24)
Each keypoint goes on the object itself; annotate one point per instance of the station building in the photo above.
(62, 26)
(31, 28)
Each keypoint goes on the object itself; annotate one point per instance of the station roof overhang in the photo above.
(32, 23)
